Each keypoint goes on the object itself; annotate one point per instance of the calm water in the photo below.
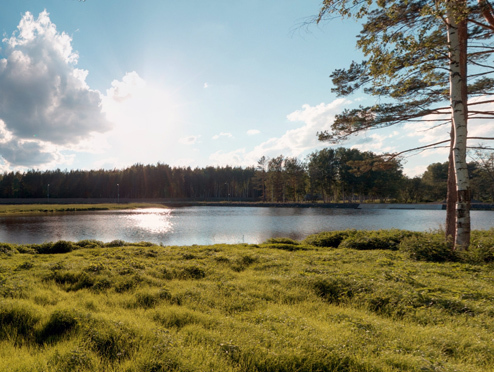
(210, 225)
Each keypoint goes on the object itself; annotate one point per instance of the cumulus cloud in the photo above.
(222, 134)
(294, 142)
(253, 132)
(45, 103)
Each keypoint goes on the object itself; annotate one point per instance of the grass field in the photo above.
(44, 208)
(278, 306)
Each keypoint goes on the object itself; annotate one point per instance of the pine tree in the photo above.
(417, 53)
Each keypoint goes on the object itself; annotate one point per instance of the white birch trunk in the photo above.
(458, 94)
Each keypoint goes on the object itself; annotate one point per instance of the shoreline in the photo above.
(223, 203)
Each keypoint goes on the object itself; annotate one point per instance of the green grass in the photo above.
(43, 208)
(279, 306)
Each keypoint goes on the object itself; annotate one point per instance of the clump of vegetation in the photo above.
(281, 241)
(431, 247)
(380, 239)
(329, 238)
(90, 243)
(249, 308)
(361, 240)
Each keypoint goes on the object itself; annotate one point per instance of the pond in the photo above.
(212, 225)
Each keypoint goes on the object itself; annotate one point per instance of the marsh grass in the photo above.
(44, 208)
(143, 308)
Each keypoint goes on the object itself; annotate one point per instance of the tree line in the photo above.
(329, 175)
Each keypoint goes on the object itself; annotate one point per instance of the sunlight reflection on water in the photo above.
(215, 225)
(153, 220)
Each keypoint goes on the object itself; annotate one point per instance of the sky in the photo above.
(108, 84)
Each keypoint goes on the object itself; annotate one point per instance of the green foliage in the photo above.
(60, 323)
(115, 243)
(428, 247)
(245, 308)
(281, 241)
(361, 240)
(90, 243)
(481, 248)
(335, 290)
(8, 249)
(380, 239)
(17, 321)
(76, 359)
(329, 238)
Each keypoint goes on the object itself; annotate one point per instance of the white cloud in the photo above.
(189, 140)
(253, 132)
(222, 134)
(45, 103)
(206, 85)
(294, 143)
(415, 171)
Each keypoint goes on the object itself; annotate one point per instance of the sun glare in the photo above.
(154, 220)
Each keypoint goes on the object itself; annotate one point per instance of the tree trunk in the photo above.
(457, 37)
(451, 194)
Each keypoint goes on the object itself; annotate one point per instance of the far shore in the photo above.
(123, 203)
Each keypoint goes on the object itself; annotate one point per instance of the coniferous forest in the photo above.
(329, 175)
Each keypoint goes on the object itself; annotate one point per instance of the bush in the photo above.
(115, 243)
(428, 247)
(61, 246)
(8, 249)
(286, 247)
(329, 238)
(481, 251)
(380, 239)
(281, 241)
(90, 243)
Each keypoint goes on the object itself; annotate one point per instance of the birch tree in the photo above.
(417, 53)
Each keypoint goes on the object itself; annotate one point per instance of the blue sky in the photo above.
(107, 84)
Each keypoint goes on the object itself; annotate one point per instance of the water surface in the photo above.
(211, 225)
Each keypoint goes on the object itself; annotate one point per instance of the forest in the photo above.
(329, 175)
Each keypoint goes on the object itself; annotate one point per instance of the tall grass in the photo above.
(244, 307)
(43, 208)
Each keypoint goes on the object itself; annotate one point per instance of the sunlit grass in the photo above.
(265, 307)
(43, 208)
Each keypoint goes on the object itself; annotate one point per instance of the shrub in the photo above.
(61, 246)
(481, 249)
(281, 241)
(329, 238)
(428, 247)
(115, 243)
(284, 246)
(380, 239)
(90, 243)
(8, 249)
